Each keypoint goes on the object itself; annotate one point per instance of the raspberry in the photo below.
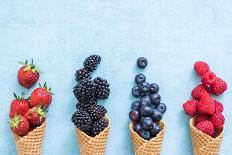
(208, 78)
(206, 127)
(218, 107)
(201, 67)
(200, 91)
(190, 107)
(201, 117)
(218, 87)
(206, 105)
(218, 120)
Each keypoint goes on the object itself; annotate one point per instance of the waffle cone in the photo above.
(92, 145)
(31, 144)
(144, 147)
(204, 144)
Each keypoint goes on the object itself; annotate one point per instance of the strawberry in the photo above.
(28, 74)
(41, 96)
(19, 125)
(36, 116)
(19, 106)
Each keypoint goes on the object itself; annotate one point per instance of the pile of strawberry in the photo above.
(207, 111)
(28, 113)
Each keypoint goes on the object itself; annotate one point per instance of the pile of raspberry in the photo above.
(207, 111)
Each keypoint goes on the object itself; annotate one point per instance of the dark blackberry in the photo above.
(96, 112)
(102, 88)
(91, 62)
(81, 74)
(86, 104)
(84, 90)
(81, 119)
(99, 126)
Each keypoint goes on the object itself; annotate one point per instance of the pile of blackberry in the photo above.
(146, 113)
(90, 117)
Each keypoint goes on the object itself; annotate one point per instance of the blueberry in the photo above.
(147, 124)
(145, 87)
(138, 128)
(144, 103)
(139, 78)
(154, 88)
(142, 62)
(145, 135)
(145, 111)
(134, 116)
(136, 91)
(145, 98)
(156, 116)
(161, 108)
(135, 105)
(155, 129)
(155, 99)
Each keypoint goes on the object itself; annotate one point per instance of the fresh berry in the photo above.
(82, 120)
(155, 99)
(19, 106)
(142, 62)
(145, 98)
(201, 67)
(200, 91)
(145, 103)
(154, 88)
(208, 78)
(138, 128)
(218, 107)
(36, 116)
(218, 87)
(41, 96)
(19, 125)
(190, 107)
(140, 78)
(201, 117)
(145, 87)
(84, 91)
(145, 135)
(206, 105)
(218, 120)
(206, 127)
(146, 111)
(102, 88)
(86, 104)
(96, 112)
(156, 116)
(147, 123)
(136, 91)
(81, 74)
(91, 62)
(99, 126)
(161, 108)
(28, 74)
(134, 116)
(135, 105)
(155, 129)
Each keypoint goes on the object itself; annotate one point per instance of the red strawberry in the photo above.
(206, 105)
(200, 91)
(190, 107)
(208, 78)
(41, 97)
(206, 127)
(28, 74)
(201, 117)
(201, 67)
(36, 116)
(19, 106)
(218, 107)
(218, 87)
(19, 125)
(218, 120)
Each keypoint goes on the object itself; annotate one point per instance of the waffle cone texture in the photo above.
(32, 143)
(93, 145)
(204, 144)
(145, 147)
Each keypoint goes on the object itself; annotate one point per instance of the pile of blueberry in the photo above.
(146, 113)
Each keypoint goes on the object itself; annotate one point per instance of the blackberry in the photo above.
(82, 120)
(84, 91)
(99, 126)
(86, 104)
(102, 88)
(96, 112)
(81, 74)
(91, 62)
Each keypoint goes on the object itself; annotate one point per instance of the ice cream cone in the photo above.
(31, 144)
(93, 145)
(204, 144)
(145, 147)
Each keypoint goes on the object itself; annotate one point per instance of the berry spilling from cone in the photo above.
(90, 117)
(147, 112)
(207, 111)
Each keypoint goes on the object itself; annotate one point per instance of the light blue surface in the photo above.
(59, 34)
